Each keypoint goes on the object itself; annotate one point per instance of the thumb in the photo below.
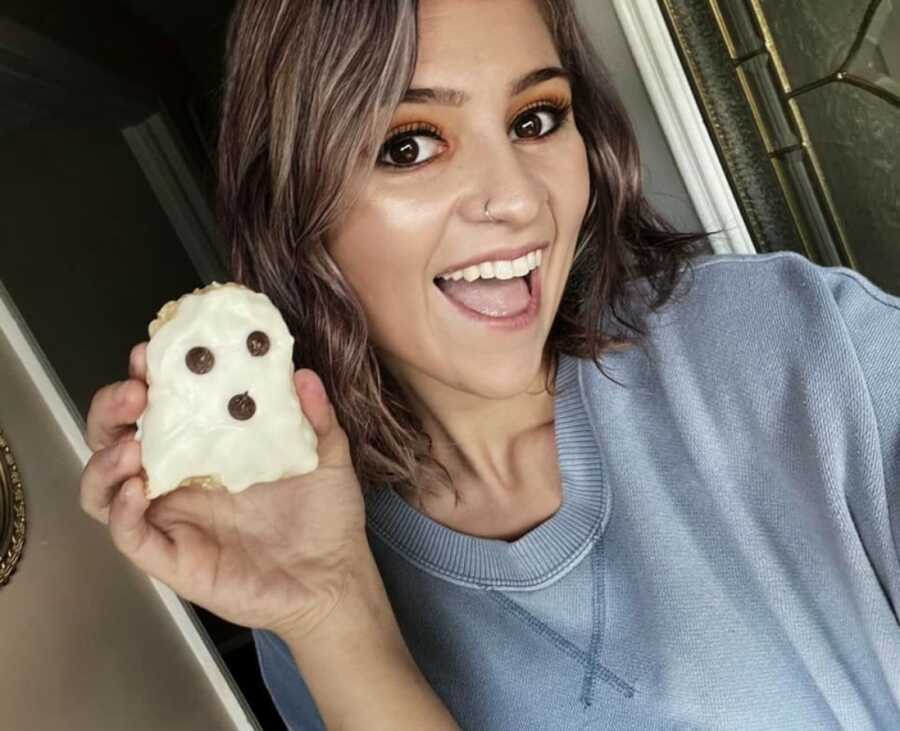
(333, 446)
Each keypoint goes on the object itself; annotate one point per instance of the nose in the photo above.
(500, 175)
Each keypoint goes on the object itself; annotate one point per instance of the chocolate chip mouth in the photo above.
(242, 406)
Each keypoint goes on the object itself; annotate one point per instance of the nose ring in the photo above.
(488, 213)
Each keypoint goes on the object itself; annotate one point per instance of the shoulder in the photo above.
(784, 274)
(747, 316)
(786, 271)
(770, 293)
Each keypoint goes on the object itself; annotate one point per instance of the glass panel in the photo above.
(878, 57)
(741, 29)
(856, 135)
(813, 37)
(797, 179)
(759, 78)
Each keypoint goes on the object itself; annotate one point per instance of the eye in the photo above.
(404, 149)
(258, 343)
(539, 121)
(199, 360)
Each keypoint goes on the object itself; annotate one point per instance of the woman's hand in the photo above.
(277, 556)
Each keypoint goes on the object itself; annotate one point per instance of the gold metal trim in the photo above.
(758, 117)
(793, 111)
(12, 513)
(725, 30)
(751, 177)
(793, 117)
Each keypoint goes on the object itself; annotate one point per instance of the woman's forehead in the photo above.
(491, 36)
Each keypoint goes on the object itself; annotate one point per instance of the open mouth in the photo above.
(506, 302)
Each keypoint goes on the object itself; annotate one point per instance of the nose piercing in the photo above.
(488, 213)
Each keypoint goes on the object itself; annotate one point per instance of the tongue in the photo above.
(491, 297)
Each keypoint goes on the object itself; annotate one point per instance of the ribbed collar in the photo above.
(542, 555)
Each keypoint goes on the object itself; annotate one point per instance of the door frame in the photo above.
(682, 123)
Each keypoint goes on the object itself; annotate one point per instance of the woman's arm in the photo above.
(358, 668)
(270, 557)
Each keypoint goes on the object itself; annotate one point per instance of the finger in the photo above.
(114, 410)
(333, 447)
(145, 545)
(313, 400)
(105, 471)
(137, 362)
(192, 504)
(116, 407)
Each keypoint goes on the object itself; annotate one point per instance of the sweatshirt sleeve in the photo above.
(871, 322)
(282, 679)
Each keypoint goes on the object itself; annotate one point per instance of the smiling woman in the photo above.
(444, 200)
(366, 151)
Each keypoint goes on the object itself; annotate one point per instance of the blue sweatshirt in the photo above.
(726, 552)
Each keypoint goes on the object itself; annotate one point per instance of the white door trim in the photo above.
(682, 123)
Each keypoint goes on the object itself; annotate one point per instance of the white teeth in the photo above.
(499, 269)
(504, 270)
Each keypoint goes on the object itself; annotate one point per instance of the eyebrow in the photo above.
(456, 98)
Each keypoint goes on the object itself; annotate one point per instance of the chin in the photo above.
(501, 380)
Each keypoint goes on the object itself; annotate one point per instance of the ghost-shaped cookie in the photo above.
(222, 409)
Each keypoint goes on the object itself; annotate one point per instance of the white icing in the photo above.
(186, 430)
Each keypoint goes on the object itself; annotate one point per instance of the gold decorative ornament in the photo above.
(12, 513)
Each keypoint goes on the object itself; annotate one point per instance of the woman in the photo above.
(500, 535)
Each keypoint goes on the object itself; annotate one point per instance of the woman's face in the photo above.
(503, 138)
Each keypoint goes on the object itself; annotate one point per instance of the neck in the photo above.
(485, 443)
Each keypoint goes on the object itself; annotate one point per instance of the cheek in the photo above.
(383, 250)
(570, 186)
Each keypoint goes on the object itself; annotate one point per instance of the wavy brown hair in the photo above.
(310, 90)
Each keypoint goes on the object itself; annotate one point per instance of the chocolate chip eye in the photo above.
(258, 343)
(242, 406)
(200, 360)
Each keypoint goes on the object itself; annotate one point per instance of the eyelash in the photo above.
(558, 106)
